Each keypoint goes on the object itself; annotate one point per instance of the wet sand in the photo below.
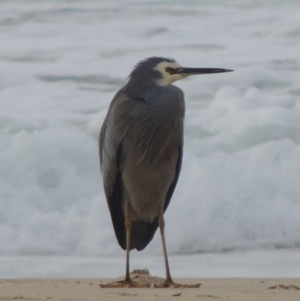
(210, 289)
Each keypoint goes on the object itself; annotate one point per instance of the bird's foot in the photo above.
(171, 283)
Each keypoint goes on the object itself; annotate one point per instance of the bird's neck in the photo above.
(140, 89)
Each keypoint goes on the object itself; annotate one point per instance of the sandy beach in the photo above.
(211, 289)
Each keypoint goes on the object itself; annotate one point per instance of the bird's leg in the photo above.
(169, 281)
(128, 223)
(127, 282)
(161, 222)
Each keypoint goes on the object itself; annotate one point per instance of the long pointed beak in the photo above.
(194, 71)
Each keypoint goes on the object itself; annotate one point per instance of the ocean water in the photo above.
(61, 62)
(281, 263)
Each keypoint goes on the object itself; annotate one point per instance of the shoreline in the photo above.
(236, 289)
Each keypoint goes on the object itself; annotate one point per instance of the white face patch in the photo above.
(168, 78)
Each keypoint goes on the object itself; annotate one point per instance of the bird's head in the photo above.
(165, 71)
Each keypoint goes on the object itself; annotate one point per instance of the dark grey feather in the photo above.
(140, 149)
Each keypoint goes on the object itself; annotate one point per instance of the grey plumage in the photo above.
(143, 160)
(141, 143)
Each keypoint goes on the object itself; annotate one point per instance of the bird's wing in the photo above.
(111, 153)
(177, 172)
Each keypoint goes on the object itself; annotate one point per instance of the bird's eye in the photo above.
(169, 70)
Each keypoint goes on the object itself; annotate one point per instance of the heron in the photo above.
(140, 147)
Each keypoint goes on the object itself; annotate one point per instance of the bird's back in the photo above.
(141, 152)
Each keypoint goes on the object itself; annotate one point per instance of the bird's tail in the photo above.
(142, 233)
